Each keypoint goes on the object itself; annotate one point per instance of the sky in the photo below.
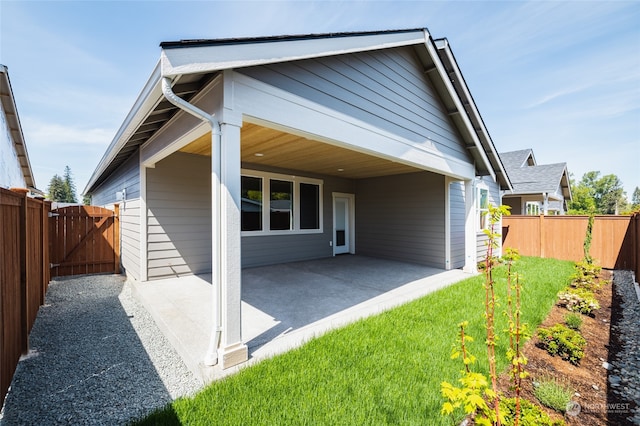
(560, 77)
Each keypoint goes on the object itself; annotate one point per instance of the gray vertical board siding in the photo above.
(127, 177)
(384, 88)
(401, 217)
(130, 238)
(179, 216)
(272, 249)
(457, 223)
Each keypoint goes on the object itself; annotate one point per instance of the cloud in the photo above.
(39, 133)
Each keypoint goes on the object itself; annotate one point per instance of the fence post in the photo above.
(542, 241)
(116, 238)
(24, 317)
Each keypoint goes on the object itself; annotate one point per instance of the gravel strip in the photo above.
(624, 378)
(97, 357)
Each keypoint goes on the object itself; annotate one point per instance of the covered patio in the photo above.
(285, 305)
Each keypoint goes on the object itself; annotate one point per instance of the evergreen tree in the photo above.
(62, 189)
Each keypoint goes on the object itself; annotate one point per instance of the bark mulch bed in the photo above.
(589, 378)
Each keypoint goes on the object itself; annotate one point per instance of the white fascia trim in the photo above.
(194, 133)
(150, 95)
(270, 106)
(200, 59)
(463, 114)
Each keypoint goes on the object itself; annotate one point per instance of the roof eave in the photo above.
(485, 146)
(15, 128)
(145, 102)
(196, 57)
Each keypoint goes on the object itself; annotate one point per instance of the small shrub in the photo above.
(531, 415)
(573, 321)
(585, 275)
(562, 341)
(553, 394)
(578, 300)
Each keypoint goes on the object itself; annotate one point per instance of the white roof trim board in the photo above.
(13, 121)
(195, 57)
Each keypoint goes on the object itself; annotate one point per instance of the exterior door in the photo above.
(342, 226)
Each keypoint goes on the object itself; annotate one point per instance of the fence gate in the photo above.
(84, 240)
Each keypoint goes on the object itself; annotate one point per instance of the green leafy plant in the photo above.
(531, 415)
(562, 341)
(587, 240)
(586, 275)
(474, 393)
(578, 300)
(573, 321)
(518, 332)
(553, 393)
(490, 301)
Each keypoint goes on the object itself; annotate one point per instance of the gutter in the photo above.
(211, 357)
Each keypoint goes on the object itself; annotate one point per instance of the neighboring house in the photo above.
(365, 143)
(15, 168)
(537, 189)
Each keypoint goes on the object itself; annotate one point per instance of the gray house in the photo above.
(257, 151)
(537, 189)
(15, 167)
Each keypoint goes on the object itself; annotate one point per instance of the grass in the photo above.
(386, 369)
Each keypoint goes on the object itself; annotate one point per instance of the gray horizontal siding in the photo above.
(179, 216)
(127, 177)
(457, 223)
(385, 88)
(402, 217)
(273, 249)
(130, 238)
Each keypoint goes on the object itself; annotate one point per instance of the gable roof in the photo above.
(194, 63)
(535, 179)
(516, 159)
(13, 122)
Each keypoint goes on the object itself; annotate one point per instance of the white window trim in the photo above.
(297, 180)
(481, 187)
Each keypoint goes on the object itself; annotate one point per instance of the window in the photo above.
(483, 207)
(291, 204)
(251, 209)
(281, 207)
(532, 208)
(309, 206)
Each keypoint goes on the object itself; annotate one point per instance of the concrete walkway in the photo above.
(285, 305)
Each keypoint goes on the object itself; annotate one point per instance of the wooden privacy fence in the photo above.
(615, 239)
(24, 275)
(84, 240)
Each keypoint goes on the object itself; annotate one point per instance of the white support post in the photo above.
(231, 351)
(447, 222)
(470, 237)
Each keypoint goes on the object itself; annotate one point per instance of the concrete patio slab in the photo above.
(285, 305)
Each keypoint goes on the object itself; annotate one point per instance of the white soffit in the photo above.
(198, 59)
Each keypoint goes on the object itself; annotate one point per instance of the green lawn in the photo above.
(385, 369)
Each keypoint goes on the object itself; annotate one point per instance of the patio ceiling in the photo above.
(265, 146)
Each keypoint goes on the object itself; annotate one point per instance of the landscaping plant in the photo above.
(573, 321)
(531, 415)
(518, 332)
(553, 394)
(562, 341)
(578, 300)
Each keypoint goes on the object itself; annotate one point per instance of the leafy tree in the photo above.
(635, 199)
(595, 194)
(62, 189)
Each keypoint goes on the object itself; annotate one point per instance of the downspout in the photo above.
(211, 357)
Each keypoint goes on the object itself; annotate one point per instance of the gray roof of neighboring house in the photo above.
(13, 122)
(529, 178)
